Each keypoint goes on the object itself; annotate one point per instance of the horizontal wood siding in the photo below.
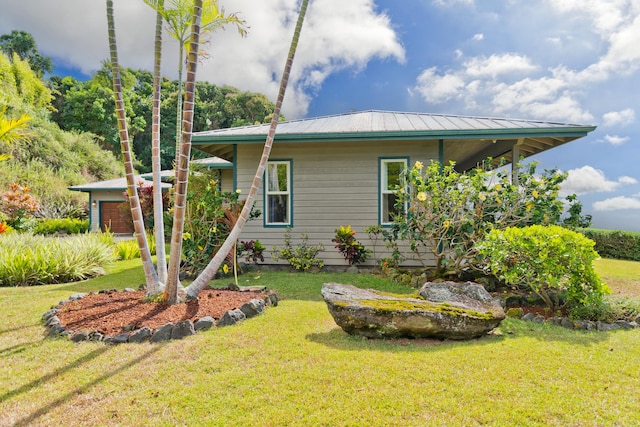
(333, 184)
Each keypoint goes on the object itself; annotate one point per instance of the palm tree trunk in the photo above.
(151, 278)
(182, 168)
(158, 211)
(207, 274)
(179, 106)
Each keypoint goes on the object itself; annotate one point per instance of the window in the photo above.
(277, 204)
(390, 178)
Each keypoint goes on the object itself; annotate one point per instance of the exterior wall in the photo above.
(333, 184)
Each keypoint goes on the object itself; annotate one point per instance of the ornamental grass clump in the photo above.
(551, 261)
(26, 259)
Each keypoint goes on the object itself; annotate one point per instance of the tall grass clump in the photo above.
(129, 249)
(27, 259)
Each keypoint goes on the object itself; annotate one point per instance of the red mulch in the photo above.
(115, 312)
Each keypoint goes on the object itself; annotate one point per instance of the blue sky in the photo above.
(573, 61)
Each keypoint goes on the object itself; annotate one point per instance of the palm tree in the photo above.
(182, 167)
(177, 15)
(207, 274)
(12, 131)
(151, 277)
(158, 211)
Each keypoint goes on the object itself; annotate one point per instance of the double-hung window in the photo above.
(277, 205)
(391, 170)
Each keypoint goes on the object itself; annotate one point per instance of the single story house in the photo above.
(106, 196)
(329, 171)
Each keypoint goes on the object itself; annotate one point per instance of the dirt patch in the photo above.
(116, 312)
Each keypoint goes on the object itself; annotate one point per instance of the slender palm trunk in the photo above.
(151, 278)
(179, 105)
(203, 279)
(182, 168)
(158, 210)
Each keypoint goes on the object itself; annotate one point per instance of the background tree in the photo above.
(24, 45)
(203, 279)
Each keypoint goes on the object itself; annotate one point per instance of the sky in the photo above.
(570, 61)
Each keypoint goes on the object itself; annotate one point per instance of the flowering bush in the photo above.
(449, 211)
(551, 261)
(18, 206)
(353, 251)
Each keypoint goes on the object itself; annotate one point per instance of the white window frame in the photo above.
(288, 192)
(384, 190)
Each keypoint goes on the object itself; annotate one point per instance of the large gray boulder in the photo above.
(456, 311)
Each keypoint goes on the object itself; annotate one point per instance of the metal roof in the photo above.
(378, 123)
(113, 184)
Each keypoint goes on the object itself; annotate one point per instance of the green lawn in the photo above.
(292, 366)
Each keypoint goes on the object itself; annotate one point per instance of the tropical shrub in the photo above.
(251, 250)
(615, 244)
(449, 211)
(352, 250)
(210, 215)
(18, 206)
(145, 195)
(551, 261)
(27, 259)
(301, 257)
(65, 225)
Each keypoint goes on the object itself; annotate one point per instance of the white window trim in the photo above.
(288, 192)
(384, 187)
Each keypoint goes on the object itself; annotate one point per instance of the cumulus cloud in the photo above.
(587, 179)
(602, 33)
(617, 204)
(435, 88)
(619, 118)
(496, 65)
(329, 42)
(478, 37)
(615, 139)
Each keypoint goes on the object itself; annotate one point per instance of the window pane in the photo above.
(278, 209)
(277, 176)
(389, 209)
(394, 169)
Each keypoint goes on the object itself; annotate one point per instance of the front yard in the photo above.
(294, 366)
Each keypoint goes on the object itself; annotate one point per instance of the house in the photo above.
(329, 171)
(106, 196)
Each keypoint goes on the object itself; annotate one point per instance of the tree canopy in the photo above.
(24, 45)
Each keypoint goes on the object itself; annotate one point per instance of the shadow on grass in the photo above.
(18, 328)
(128, 278)
(27, 420)
(508, 330)
(338, 339)
(18, 348)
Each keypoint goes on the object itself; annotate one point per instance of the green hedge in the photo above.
(61, 225)
(615, 244)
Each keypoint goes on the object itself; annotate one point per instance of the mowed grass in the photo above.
(292, 366)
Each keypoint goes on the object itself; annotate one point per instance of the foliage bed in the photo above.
(615, 244)
(27, 259)
(292, 366)
(64, 225)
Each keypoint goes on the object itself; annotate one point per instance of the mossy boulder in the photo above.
(376, 314)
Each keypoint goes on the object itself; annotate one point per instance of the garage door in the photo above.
(111, 218)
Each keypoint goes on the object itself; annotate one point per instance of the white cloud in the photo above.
(619, 118)
(627, 180)
(587, 179)
(617, 204)
(74, 31)
(615, 139)
(478, 37)
(497, 65)
(435, 88)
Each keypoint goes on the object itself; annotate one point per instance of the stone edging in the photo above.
(169, 331)
(580, 325)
